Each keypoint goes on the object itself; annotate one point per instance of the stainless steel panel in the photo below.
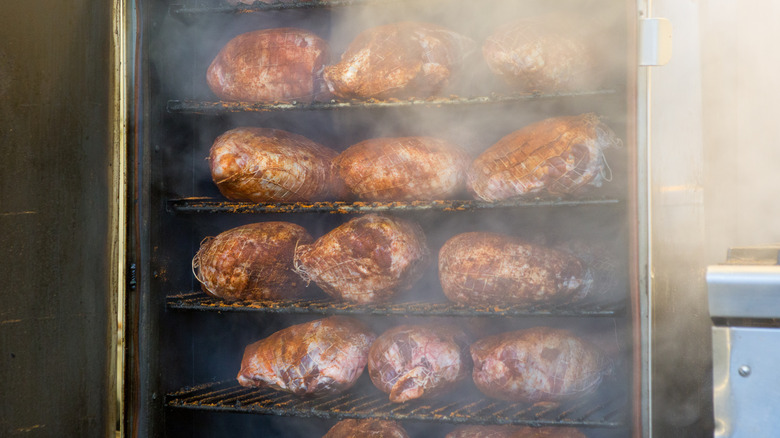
(741, 291)
(746, 382)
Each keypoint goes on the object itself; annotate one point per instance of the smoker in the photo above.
(742, 293)
(178, 348)
(186, 346)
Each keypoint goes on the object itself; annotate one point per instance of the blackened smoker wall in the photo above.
(55, 316)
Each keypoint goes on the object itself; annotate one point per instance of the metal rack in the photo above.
(211, 205)
(223, 107)
(206, 8)
(202, 302)
(601, 410)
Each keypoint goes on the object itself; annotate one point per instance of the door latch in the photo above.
(655, 41)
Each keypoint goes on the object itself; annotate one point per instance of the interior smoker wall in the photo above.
(54, 202)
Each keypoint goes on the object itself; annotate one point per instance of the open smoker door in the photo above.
(58, 218)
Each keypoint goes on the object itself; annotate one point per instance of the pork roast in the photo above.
(559, 156)
(480, 268)
(405, 168)
(322, 356)
(283, 64)
(533, 57)
(402, 59)
(251, 262)
(539, 364)
(418, 361)
(368, 259)
(272, 165)
(370, 428)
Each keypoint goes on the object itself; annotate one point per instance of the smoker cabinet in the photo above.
(744, 303)
(57, 332)
(187, 346)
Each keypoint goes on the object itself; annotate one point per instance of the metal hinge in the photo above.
(655, 41)
(131, 279)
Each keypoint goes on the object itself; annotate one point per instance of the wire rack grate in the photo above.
(203, 302)
(229, 396)
(224, 107)
(199, 8)
(211, 205)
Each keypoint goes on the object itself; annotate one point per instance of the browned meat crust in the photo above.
(251, 262)
(270, 65)
(322, 356)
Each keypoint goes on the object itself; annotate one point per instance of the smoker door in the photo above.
(57, 317)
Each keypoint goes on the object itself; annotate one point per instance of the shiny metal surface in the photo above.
(741, 291)
(746, 381)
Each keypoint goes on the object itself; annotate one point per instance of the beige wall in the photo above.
(714, 183)
(741, 129)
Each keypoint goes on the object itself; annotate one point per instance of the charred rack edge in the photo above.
(201, 301)
(257, 6)
(228, 396)
(210, 205)
(223, 107)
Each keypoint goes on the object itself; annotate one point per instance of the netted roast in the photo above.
(480, 268)
(539, 364)
(368, 259)
(404, 168)
(418, 361)
(283, 64)
(559, 156)
(369, 428)
(322, 356)
(251, 262)
(398, 60)
(272, 165)
(532, 56)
